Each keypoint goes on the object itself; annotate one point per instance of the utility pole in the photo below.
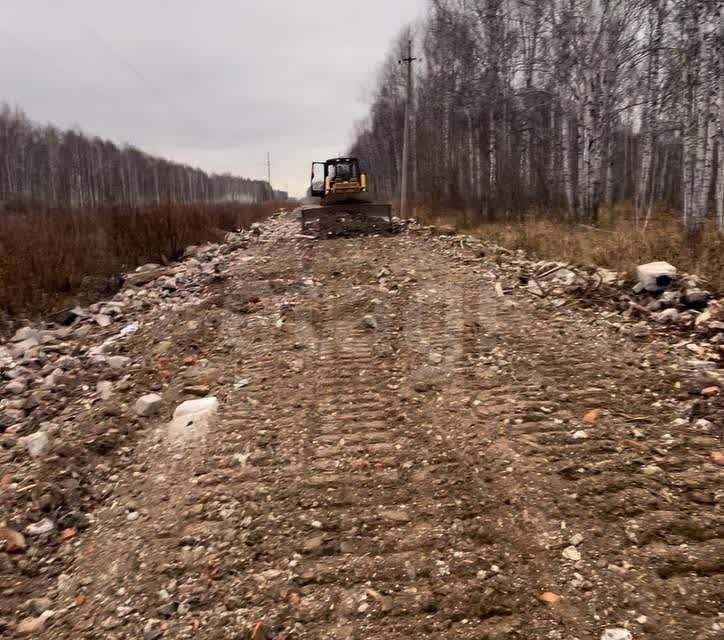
(406, 136)
(268, 167)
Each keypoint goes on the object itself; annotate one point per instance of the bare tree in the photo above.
(578, 104)
(56, 168)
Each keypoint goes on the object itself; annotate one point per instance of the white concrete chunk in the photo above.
(148, 405)
(656, 276)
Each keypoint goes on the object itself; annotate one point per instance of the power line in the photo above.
(148, 85)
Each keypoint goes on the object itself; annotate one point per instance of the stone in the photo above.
(199, 390)
(652, 470)
(695, 298)
(13, 541)
(435, 358)
(148, 405)
(46, 525)
(37, 444)
(370, 322)
(31, 626)
(152, 630)
(25, 333)
(616, 634)
(16, 387)
(18, 349)
(169, 283)
(39, 605)
(550, 597)
(396, 516)
(667, 316)
(656, 276)
(104, 389)
(191, 419)
(571, 553)
(118, 362)
(103, 320)
(576, 539)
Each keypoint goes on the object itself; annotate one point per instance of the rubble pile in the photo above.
(278, 437)
(656, 298)
(75, 368)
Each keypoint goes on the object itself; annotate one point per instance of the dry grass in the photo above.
(50, 258)
(616, 243)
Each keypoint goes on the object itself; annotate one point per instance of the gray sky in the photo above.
(214, 84)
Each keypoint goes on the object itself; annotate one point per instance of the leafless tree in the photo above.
(567, 105)
(56, 168)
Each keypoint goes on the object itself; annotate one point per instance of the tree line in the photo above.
(572, 105)
(46, 166)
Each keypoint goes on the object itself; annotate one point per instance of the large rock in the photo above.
(18, 349)
(37, 444)
(656, 276)
(118, 362)
(191, 419)
(148, 405)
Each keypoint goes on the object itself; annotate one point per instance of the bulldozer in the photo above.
(341, 203)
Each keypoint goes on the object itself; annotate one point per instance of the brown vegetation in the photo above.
(616, 243)
(49, 257)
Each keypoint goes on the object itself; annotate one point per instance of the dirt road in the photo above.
(398, 453)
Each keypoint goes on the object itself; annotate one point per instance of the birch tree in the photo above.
(563, 104)
(44, 166)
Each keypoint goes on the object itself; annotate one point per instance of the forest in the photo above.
(43, 166)
(571, 107)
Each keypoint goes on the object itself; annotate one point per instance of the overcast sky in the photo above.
(214, 84)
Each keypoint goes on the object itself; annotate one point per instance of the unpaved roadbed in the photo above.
(398, 453)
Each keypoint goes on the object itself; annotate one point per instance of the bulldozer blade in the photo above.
(340, 219)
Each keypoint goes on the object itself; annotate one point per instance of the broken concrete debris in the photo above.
(656, 276)
(148, 405)
(236, 546)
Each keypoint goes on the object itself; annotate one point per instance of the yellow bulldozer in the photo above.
(340, 201)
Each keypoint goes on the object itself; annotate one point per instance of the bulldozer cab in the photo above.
(346, 205)
(335, 175)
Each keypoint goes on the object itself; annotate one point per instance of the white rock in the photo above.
(46, 525)
(129, 329)
(656, 276)
(168, 283)
(104, 389)
(18, 349)
(37, 444)
(102, 320)
(148, 405)
(191, 419)
(576, 539)
(666, 316)
(616, 634)
(580, 435)
(118, 362)
(571, 553)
